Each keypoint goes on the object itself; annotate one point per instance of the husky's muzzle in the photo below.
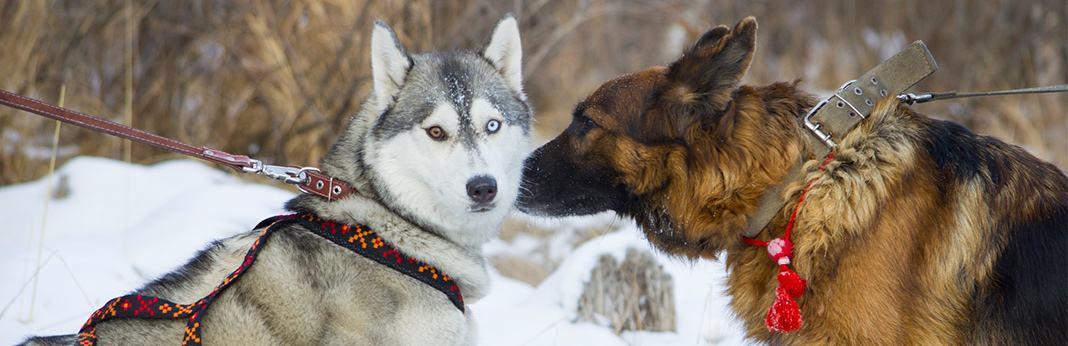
(482, 189)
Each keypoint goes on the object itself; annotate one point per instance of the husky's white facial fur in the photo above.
(431, 176)
(448, 146)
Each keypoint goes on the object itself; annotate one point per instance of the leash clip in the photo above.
(256, 166)
(287, 174)
(911, 99)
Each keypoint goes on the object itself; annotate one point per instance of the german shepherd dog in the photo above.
(916, 232)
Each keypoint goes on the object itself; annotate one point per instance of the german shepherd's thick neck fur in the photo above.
(917, 232)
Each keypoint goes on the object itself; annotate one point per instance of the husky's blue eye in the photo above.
(493, 125)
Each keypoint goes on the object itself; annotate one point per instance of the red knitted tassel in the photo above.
(793, 283)
(784, 315)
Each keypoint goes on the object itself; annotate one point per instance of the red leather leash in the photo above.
(307, 179)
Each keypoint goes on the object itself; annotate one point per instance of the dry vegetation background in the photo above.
(276, 80)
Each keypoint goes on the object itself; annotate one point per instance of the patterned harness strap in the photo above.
(355, 238)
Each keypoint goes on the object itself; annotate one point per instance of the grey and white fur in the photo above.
(435, 199)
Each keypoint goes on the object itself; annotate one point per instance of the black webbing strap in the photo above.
(928, 97)
(365, 242)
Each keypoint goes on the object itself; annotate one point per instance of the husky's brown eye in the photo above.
(436, 133)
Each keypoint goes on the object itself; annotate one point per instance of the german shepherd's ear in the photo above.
(505, 51)
(389, 63)
(700, 83)
(712, 36)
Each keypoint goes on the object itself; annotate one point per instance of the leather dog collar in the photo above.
(840, 113)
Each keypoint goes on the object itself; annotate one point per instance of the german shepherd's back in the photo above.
(917, 231)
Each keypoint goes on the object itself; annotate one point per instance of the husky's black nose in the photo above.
(482, 189)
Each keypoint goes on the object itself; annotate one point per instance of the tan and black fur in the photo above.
(919, 232)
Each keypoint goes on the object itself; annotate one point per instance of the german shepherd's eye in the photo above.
(587, 124)
(436, 133)
(493, 126)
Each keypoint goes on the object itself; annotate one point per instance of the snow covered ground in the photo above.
(115, 226)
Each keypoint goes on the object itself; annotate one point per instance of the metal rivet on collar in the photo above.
(858, 91)
(839, 104)
(337, 190)
(874, 81)
(868, 102)
(882, 92)
(319, 185)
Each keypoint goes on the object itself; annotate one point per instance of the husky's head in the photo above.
(442, 138)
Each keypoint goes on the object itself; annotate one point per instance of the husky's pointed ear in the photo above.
(505, 51)
(712, 68)
(389, 62)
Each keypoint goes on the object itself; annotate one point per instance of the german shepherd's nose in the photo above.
(482, 189)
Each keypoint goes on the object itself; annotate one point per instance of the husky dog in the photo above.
(435, 159)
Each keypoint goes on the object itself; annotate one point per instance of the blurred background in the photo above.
(278, 80)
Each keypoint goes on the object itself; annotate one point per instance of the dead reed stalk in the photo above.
(634, 295)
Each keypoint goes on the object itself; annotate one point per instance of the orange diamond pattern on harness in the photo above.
(138, 306)
(192, 334)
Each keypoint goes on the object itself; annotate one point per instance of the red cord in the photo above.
(793, 217)
(784, 315)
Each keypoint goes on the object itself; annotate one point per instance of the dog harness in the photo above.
(357, 238)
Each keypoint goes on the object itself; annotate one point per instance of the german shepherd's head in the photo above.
(683, 149)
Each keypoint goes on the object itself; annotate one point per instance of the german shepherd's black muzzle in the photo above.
(557, 183)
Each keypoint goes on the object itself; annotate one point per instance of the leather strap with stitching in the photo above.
(832, 118)
(325, 186)
(76, 118)
(855, 100)
(310, 181)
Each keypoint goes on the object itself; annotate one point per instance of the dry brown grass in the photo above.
(635, 295)
(277, 79)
